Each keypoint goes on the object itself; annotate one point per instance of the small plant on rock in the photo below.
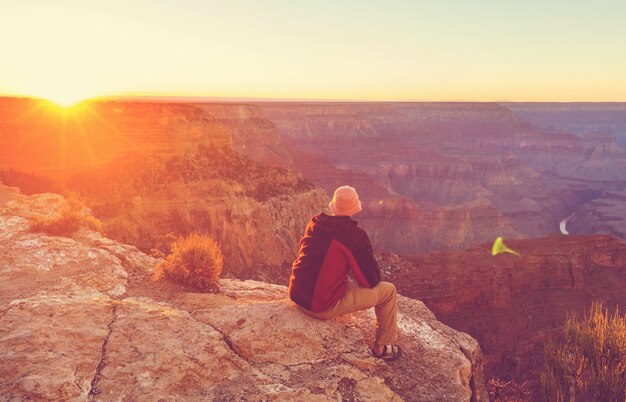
(509, 391)
(196, 261)
(68, 219)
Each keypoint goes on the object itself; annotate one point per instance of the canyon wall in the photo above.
(250, 134)
(432, 176)
(153, 171)
(510, 304)
(578, 118)
(604, 214)
(436, 176)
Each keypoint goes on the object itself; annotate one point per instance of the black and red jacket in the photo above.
(331, 247)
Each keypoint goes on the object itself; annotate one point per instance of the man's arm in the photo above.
(363, 265)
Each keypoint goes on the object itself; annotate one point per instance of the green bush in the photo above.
(196, 261)
(590, 363)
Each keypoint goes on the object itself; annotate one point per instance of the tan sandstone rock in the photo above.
(81, 319)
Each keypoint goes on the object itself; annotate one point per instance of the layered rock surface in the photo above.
(438, 176)
(433, 176)
(605, 214)
(80, 318)
(152, 171)
(579, 118)
(510, 304)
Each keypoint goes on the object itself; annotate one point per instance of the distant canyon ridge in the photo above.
(444, 176)
(432, 176)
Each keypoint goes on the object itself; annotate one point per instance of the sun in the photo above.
(62, 94)
(66, 100)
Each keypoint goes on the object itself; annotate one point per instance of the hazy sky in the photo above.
(340, 49)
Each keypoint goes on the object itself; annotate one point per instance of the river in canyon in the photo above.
(563, 224)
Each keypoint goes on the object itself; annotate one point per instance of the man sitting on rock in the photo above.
(332, 246)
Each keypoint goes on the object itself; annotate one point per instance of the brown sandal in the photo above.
(390, 353)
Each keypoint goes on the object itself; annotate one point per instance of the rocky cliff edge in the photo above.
(80, 319)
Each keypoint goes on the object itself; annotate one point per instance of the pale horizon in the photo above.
(229, 99)
(483, 51)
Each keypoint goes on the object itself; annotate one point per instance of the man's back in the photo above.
(331, 246)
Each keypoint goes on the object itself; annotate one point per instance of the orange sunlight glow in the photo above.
(63, 87)
(65, 99)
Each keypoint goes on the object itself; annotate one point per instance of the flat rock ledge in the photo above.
(80, 319)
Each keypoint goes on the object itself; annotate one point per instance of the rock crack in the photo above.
(93, 389)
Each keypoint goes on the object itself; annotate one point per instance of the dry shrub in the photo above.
(68, 219)
(590, 363)
(508, 391)
(196, 261)
(93, 223)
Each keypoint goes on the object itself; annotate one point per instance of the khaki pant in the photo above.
(381, 296)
